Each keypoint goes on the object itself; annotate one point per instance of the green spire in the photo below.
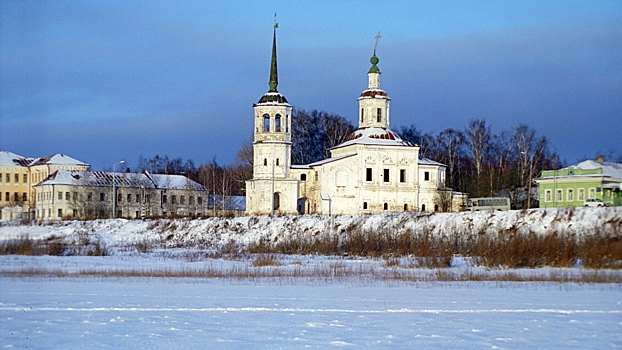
(274, 76)
(374, 60)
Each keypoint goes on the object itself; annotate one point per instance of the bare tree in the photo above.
(478, 138)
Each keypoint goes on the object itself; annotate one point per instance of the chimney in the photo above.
(601, 159)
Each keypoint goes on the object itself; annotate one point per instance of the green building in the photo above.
(571, 186)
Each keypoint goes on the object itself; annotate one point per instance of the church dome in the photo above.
(375, 136)
(272, 97)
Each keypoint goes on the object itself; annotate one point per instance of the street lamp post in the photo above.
(114, 195)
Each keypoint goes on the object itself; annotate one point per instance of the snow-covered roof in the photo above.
(427, 161)
(10, 159)
(609, 168)
(374, 136)
(57, 159)
(329, 160)
(131, 180)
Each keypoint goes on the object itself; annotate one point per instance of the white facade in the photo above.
(374, 171)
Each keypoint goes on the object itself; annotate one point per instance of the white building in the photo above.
(73, 194)
(373, 171)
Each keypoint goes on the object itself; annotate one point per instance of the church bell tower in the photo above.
(270, 189)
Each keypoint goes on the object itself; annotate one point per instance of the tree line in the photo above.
(478, 162)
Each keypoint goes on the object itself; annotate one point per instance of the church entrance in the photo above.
(276, 201)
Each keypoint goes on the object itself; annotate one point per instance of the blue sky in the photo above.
(103, 81)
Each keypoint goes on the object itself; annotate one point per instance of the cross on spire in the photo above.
(377, 37)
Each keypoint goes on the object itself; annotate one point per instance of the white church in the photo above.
(373, 171)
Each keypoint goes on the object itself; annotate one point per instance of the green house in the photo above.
(571, 186)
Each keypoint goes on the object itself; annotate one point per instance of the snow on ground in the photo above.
(219, 232)
(264, 313)
(200, 314)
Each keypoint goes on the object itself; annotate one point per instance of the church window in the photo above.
(277, 162)
(435, 207)
(265, 162)
(316, 176)
(277, 124)
(402, 175)
(303, 177)
(364, 205)
(174, 199)
(286, 123)
(422, 207)
(164, 199)
(60, 213)
(266, 123)
(368, 175)
(386, 175)
(386, 206)
(362, 114)
(379, 114)
(102, 196)
(426, 176)
(405, 207)
(182, 200)
(200, 200)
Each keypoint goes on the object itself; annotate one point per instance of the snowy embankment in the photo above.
(216, 233)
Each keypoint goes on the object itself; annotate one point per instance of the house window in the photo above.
(102, 197)
(200, 200)
(368, 174)
(75, 212)
(547, 195)
(190, 200)
(60, 213)
(67, 195)
(0, 178)
(266, 123)
(277, 123)
(174, 199)
(164, 198)
(303, 177)
(138, 198)
(8, 178)
(364, 205)
(16, 178)
(402, 175)
(386, 175)
(25, 179)
(426, 176)
(24, 197)
(7, 196)
(581, 194)
(379, 115)
(89, 196)
(182, 200)
(386, 206)
(558, 196)
(592, 193)
(49, 213)
(15, 196)
(570, 195)
(129, 197)
(60, 195)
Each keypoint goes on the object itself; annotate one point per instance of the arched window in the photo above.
(422, 207)
(379, 114)
(436, 207)
(364, 205)
(303, 177)
(277, 123)
(277, 200)
(266, 123)
(265, 162)
(386, 206)
(405, 207)
(277, 162)
(362, 114)
(286, 123)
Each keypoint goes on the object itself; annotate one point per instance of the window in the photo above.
(265, 162)
(25, 179)
(129, 197)
(164, 198)
(119, 197)
(422, 207)
(24, 197)
(200, 200)
(49, 213)
(581, 194)
(182, 200)
(426, 176)
(277, 123)
(60, 195)
(379, 115)
(558, 196)
(60, 213)
(368, 175)
(0, 178)
(286, 123)
(190, 200)
(316, 176)
(547, 195)
(75, 212)
(102, 197)
(405, 207)
(67, 195)
(592, 193)
(364, 205)
(402, 175)
(386, 175)
(138, 198)
(277, 162)
(7, 196)
(75, 196)
(266, 123)
(16, 178)
(89, 196)
(15, 196)
(303, 177)
(385, 206)
(8, 178)
(362, 114)
(174, 199)
(570, 195)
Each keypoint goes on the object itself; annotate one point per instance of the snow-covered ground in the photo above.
(68, 302)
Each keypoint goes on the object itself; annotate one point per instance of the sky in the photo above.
(103, 81)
